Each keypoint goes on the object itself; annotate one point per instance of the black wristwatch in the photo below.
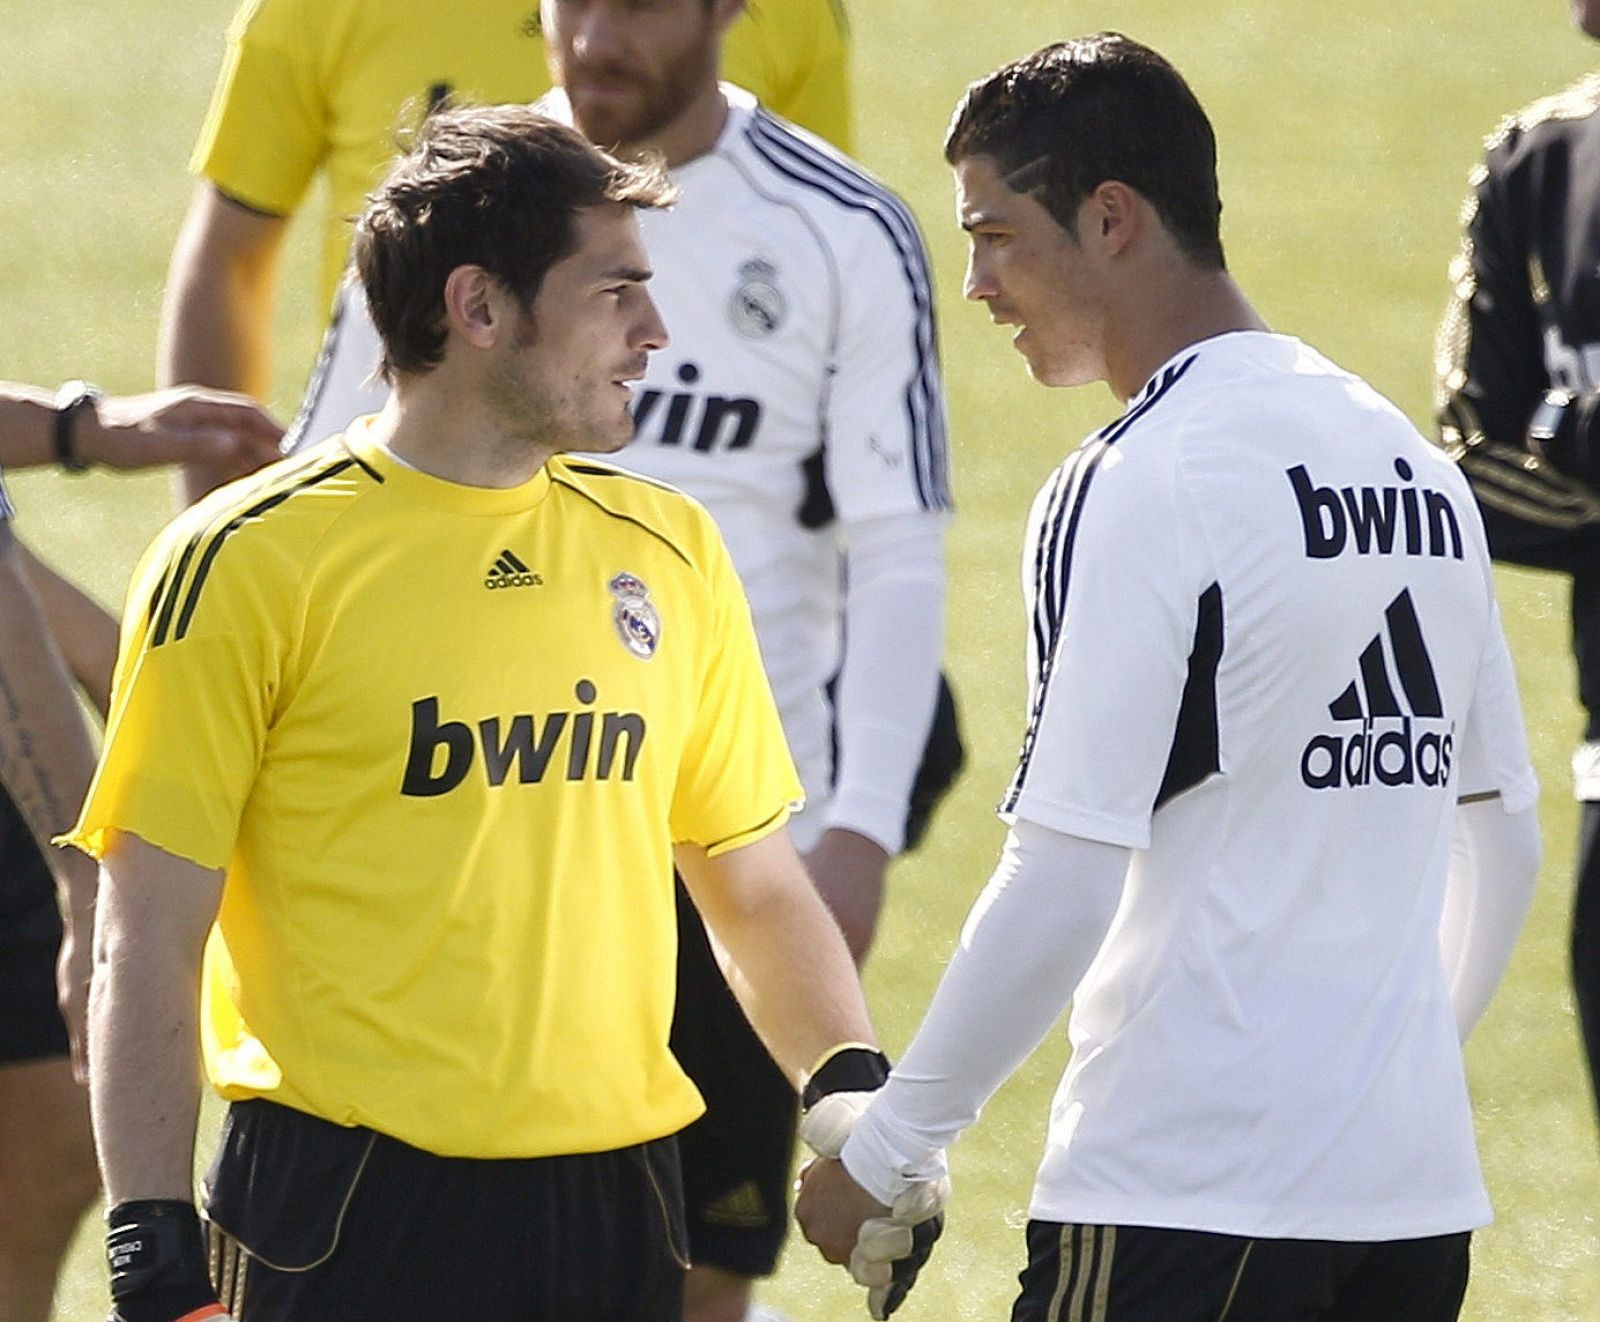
(1545, 424)
(71, 400)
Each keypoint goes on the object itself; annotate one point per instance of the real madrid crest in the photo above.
(757, 308)
(634, 614)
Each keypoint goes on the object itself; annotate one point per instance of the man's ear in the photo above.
(472, 305)
(1115, 215)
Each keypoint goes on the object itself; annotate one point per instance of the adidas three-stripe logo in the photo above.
(1395, 682)
(509, 572)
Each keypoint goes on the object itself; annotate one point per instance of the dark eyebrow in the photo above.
(970, 223)
(634, 274)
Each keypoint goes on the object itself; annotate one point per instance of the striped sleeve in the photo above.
(1117, 599)
(886, 437)
(205, 635)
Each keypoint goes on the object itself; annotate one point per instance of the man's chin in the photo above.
(608, 122)
(609, 442)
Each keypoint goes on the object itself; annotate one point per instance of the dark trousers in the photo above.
(316, 1222)
(1081, 1273)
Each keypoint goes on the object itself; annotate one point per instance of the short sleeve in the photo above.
(1493, 752)
(737, 781)
(886, 434)
(796, 58)
(265, 134)
(1114, 592)
(197, 673)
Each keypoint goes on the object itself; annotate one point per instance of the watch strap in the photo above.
(71, 400)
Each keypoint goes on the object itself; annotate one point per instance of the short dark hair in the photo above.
(490, 186)
(1075, 114)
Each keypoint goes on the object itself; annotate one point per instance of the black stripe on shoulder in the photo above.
(155, 599)
(600, 470)
(165, 599)
(164, 626)
(561, 480)
(614, 470)
(172, 585)
(1053, 563)
(1155, 392)
(364, 466)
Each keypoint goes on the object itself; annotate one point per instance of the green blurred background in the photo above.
(1346, 135)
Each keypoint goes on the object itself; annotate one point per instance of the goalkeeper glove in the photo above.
(158, 1264)
(891, 1250)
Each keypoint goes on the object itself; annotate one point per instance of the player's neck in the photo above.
(449, 435)
(1187, 307)
(690, 134)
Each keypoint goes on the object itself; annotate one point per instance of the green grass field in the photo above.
(1346, 135)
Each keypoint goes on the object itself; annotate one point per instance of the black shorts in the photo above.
(315, 1222)
(1136, 1274)
(31, 1027)
(737, 1157)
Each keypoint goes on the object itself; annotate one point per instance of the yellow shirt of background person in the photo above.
(325, 85)
(443, 740)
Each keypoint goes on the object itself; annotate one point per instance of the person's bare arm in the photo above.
(786, 960)
(144, 1041)
(46, 761)
(216, 322)
(181, 425)
(84, 630)
(849, 870)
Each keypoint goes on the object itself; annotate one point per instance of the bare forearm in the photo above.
(144, 1062)
(787, 963)
(144, 1078)
(216, 322)
(796, 981)
(27, 417)
(85, 631)
(46, 759)
(848, 869)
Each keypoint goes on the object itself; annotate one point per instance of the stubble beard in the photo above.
(658, 101)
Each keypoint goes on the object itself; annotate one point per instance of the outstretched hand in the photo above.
(180, 425)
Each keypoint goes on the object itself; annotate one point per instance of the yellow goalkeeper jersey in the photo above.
(309, 85)
(443, 739)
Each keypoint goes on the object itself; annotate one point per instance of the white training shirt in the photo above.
(797, 293)
(1265, 658)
